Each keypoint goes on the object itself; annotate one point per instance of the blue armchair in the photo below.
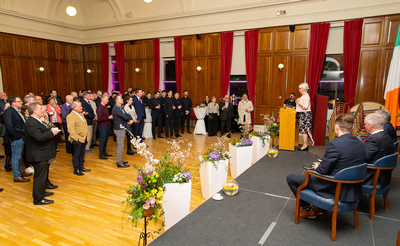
(396, 146)
(385, 163)
(350, 175)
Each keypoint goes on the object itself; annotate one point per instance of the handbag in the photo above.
(210, 117)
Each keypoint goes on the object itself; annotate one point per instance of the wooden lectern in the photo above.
(288, 133)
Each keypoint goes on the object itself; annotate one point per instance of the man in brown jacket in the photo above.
(78, 132)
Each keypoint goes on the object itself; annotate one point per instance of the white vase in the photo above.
(212, 180)
(176, 203)
(259, 151)
(241, 159)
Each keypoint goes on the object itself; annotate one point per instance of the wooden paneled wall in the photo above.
(139, 55)
(379, 37)
(273, 86)
(92, 61)
(21, 57)
(206, 53)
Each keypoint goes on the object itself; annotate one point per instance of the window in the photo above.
(331, 83)
(237, 85)
(169, 74)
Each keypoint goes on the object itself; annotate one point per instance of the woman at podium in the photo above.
(303, 109)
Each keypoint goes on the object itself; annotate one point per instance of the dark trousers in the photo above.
(156, 121)
(169, 124)
(128, 142)
(56, 137)
(68, 145)
(40, 180)
(185, 117)
(79, 155)
(138, 129)
(212, 125)
(294, 181)
(226, 125)
(104, 135)
(177, 123)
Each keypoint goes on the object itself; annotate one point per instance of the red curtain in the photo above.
(318, 42)
(251, 49)
(156, 63)
(119, 56)
(105, 65)
(351, 56)
(226, 61)
(178, 62)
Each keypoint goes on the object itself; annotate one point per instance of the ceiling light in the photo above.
(147, 1)
(71, 10)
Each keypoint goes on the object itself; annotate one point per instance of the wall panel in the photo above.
(148, 76)
(63, 52)
(301, 38)
(128, 50)
(38, 48)
(64, 78)
(138, 50)
(51, 71)
(264, 68)
(23, 47)
(214, 44)
(26, 74)
(40, 80)
(282, 39)
(187, 46)
(10, 78)
(265, 40)
(200, 46)
(129, 74)
(368, 75)
(7, 44)
(373, 32)
(76, 53)
(214, 77)
(148, 49)
(51, 50)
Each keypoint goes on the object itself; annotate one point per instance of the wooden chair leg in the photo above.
(398, 239)
(297, 211)
(386, 201)
(372, 207)
(334, 218)
(355, 214)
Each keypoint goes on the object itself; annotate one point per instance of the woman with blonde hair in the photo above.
(212, 112)
(303, 109)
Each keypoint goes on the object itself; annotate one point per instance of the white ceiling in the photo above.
(115, 20)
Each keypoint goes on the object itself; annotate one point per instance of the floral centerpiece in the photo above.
(242, 142)
(271, 127)
(262, 136)
(216, 153)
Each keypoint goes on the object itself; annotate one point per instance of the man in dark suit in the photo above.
(377, 145)
(14, 122)
(40, 151)
(156, 114)
(53, 93)
(178, 112)
(186, 111)
(88, 112)
(345, 151)
(3, 101)
(226, 114)
(169, 115)
(138, 104)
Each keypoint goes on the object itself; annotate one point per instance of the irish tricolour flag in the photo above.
(392, 90)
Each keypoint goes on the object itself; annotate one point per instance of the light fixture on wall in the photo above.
(41, 69)
(147, 1)
(198, 69)
(137, 69)
(89, 71)
(281, 12)
(280, 66)
(71, 10)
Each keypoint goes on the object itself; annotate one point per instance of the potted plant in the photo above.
(214, 168)
(271, 127)
(261, 144)
(177, 183)
(242, 151)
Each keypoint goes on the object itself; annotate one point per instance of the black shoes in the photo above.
(123, 165)
(159, 136)
(1, 189)
(85, 170)
(78, 172)
(48, 193)
(103, 157)
(51, 186)
(154, 137)
(189, 132)
(108, 155)
(305, 149)
(179, 135)
(43, 202)
(130, 152)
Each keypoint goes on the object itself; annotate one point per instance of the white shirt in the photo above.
(79, 115)
(380, 130)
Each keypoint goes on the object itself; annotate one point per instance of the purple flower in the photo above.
(188, 175)
(262, 134)
(143, 186)
(139, 179)
(214, 156)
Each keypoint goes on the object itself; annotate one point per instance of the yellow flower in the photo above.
(159, 188)
(154, 191)
(159, 194)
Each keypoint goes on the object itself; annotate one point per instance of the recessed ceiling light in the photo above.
(147, 1)
(71, 10)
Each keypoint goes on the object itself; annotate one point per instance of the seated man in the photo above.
(345, 151)
(377, 145)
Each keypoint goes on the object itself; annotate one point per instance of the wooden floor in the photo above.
(86, 209)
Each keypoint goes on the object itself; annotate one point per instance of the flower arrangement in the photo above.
(170, 173)
(245, 128)
(242, 142)
(146, 195)
(271, 125)
(262, 136)
(216, 153)
(182, 177)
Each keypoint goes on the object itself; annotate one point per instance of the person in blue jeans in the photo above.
(14, 122)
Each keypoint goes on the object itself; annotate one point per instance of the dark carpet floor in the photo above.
(265, 203)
